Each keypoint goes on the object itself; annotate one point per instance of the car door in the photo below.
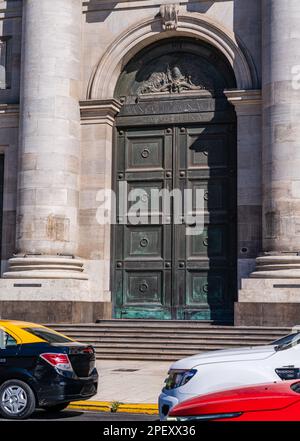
(9, 349)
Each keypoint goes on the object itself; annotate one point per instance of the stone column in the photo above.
(271, 296)
(49, 143)
(281, 140)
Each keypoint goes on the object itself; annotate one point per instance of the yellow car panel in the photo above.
(18, 331)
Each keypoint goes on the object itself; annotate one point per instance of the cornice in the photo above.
(99, 111)
(244, 96)
(246, 102)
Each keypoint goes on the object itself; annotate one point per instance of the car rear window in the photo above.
(48, 335)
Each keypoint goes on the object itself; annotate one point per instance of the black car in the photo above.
(41, 368)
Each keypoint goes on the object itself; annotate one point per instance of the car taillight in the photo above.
(58, 361)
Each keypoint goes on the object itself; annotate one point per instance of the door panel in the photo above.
(208, 260)
(205, 151)
(203, 288)
(159, 271)
(211, 243)
(142, 268)
(144, 242)
(145, 153)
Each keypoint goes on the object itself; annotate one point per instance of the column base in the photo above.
(51, 301)
(271, 294)
(55, 311)
(266, 314)
(279, 266)
(45, 267)
(270, 290)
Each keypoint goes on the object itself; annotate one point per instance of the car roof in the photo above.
(20, 323)
(19, 331)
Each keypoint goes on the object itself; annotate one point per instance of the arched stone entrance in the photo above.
(176, 131)
(134, 39)
(100, 109)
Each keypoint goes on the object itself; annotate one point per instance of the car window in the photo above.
(6, 340)
(48, 335)
(288, 342)
(286, 339)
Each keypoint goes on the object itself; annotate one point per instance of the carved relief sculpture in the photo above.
(172, 81)
(169, 15)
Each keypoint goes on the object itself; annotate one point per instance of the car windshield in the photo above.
(287, 341)
(48, 335)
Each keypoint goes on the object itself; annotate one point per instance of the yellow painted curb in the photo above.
(99, 406)
(106, 406)
(150, 409)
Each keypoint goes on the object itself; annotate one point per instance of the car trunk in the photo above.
(82, 358)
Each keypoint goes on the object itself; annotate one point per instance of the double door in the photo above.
(174, 256)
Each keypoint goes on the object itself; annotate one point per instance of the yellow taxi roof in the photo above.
(18, 331)
(20, 323)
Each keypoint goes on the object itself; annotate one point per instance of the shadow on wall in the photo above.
(195, 6)
(97, 12)
(247, 26)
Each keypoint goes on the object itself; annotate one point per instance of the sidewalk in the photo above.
(130, 381)
(137, 384)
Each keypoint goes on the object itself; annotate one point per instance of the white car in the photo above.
(223, 369)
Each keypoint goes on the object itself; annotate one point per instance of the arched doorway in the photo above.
(176, 130)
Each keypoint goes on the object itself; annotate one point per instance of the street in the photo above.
(75, 415)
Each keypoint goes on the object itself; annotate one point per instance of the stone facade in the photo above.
(57, 125)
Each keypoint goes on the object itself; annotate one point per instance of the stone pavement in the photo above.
(129, 381)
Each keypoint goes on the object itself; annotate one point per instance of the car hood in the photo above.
(272, 396)
(226, 355)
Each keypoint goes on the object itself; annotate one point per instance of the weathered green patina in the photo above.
(176, 130)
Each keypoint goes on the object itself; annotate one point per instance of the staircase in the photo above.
(164, 340)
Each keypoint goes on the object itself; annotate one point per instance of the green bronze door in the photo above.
(176, 131)
(159, 271)
(143, 253)
(205, 262)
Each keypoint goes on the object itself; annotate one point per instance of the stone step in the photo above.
(163, 346)
(174, 351)
(165, 340)
(180, 340)
(177, 323)
(139, 357)
(187, 332)
(163, 324)
(169, 331)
